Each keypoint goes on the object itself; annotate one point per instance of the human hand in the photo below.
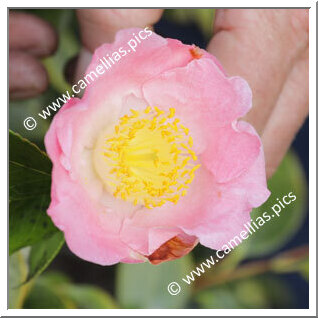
(269, 48)
(30, 38)
(100, 26)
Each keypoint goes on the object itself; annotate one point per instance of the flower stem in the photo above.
(285, 262)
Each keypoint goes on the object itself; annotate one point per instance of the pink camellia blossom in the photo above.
(153, 160)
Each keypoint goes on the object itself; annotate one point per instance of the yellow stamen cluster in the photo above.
(150, 158)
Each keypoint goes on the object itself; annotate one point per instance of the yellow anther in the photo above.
(194, 157)
(124, 120)
(195, 168)
(185, 129)
(149, 155)
(185, 146)
(116, 191)
(113, 170)
(184, 173)
(174, 199)
(190, 179)
(158, 111)
(165, 133)
(161, 203)
(175, 158)
(147, 110)
(135, 113)
(190, 142)
(172, 112)
(185, 162)
(180, 186)
(131, 134)
(174, 148)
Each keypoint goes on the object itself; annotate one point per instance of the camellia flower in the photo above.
(153, 160)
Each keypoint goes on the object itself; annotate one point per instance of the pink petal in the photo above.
(201, 90)
(153, 56)
(231, 151)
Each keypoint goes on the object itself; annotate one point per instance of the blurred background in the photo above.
(269, 270)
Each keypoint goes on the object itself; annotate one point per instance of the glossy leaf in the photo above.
(29, 193)
(43, 253)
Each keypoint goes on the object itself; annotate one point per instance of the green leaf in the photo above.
(54, 278)
(276, 232)
(24, 153)
(252, 293)
(54, 291)
(221, 297)
(279, 293)
(43, 253)
(17, 273)
(145, 285)
(88, 297)
(19, 110)
(44, 296)
(29, 193)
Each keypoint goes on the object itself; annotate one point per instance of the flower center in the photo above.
(149, 158)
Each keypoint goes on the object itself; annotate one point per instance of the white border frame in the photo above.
(312, 166)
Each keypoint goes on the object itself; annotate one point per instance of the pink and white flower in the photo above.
(153, 160)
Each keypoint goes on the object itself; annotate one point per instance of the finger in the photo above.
(288, 115)
(31, 34)
(27, 76)
(83, 60)
(99, 26)
(261, 46)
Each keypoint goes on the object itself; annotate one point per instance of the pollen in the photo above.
(149, 158)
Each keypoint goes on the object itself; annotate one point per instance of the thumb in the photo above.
(98, 26)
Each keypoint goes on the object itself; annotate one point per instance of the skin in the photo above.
(30, 38)
(271, 53)
(269, 48)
